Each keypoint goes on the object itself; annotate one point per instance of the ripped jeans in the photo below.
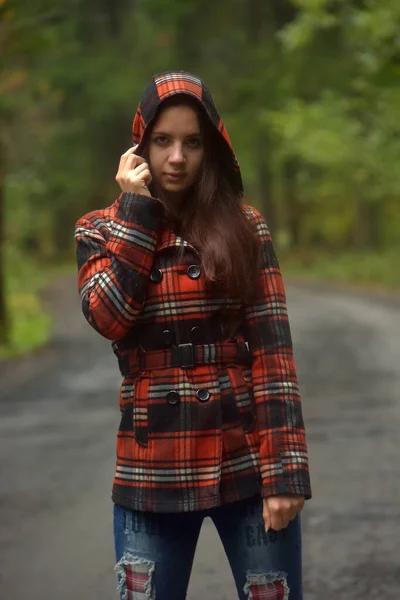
(155, 552)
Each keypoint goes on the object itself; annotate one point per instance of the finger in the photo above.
(276, 521)
(141, 180)
(143, 175)
(130, 161)
(139, 169)
(126, 154)
(146, 177)
(297, 507)
(280, 511)
(293, 514)
(266, 515)
(131, 150)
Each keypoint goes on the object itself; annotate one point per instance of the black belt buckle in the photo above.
(186, 356)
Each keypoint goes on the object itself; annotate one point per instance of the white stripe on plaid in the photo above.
(275, 308)
(272, 469)
(241, 464)
(181, 475)
(135, 237)
(281, 387)
(177, 77)
(297, 457)
(89, 233)
(109, 288)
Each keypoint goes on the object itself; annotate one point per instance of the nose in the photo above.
(176, 156)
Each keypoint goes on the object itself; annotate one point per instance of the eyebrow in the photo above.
(194, 134)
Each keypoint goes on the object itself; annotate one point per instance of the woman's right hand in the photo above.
(133, 173)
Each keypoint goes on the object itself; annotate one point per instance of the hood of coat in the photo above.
(168, 84)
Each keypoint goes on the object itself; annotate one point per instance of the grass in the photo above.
(30, 323)
(363, 270)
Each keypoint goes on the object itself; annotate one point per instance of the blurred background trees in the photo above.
(309, 91)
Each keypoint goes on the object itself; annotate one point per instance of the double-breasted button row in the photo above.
(193, 271)
(168, 336)
(202, 394)
(156, 275)
(173, 397)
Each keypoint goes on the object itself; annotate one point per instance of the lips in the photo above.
(175, 176)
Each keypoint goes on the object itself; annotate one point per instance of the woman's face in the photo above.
(176, 151)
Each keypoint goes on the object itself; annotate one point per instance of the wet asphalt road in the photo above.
(58, 419)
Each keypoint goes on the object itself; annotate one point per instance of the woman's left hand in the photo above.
(278, 511)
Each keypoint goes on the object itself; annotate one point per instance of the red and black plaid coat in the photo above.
(196, 431)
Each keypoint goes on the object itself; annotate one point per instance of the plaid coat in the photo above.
(213, 431)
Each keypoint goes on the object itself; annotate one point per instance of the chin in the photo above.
(175, 188)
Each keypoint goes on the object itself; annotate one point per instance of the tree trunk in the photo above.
(4, 323)
(264, 19)
(291, 200)
(367, 225)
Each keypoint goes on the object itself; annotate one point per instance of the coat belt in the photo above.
(188, 356)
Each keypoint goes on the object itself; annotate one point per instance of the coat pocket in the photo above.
(242, 389)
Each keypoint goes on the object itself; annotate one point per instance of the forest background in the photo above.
(308, 89)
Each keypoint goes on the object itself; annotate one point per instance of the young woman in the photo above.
(180, 273)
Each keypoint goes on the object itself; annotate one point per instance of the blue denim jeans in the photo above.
(155, 552)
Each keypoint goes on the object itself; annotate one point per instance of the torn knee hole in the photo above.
(135, 578)
(273, 586)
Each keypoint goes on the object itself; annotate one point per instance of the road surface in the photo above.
(58, 420)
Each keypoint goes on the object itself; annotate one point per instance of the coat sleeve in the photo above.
(114, 262)
(283, 449)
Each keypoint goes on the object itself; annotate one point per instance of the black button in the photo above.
(173, 397)
(194, 334)
(156, 276)
(167, 337)
(194, 271)
(203, 395)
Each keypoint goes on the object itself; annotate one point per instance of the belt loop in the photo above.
(244, 354)
(141, 353)
(186, 356)
(122, 357)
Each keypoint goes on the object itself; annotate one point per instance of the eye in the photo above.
(194, 143)
(161, 140)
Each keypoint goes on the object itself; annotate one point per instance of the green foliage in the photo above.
(368, 270)
(308, 89)
(30, 325)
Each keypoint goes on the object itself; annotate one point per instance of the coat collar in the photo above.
(169, 239)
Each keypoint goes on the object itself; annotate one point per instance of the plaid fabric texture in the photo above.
(274, 590)
(137, 581)
(189, 451)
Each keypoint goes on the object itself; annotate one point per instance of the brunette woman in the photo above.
(181, 274)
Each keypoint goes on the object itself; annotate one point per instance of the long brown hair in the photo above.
(212, 216)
